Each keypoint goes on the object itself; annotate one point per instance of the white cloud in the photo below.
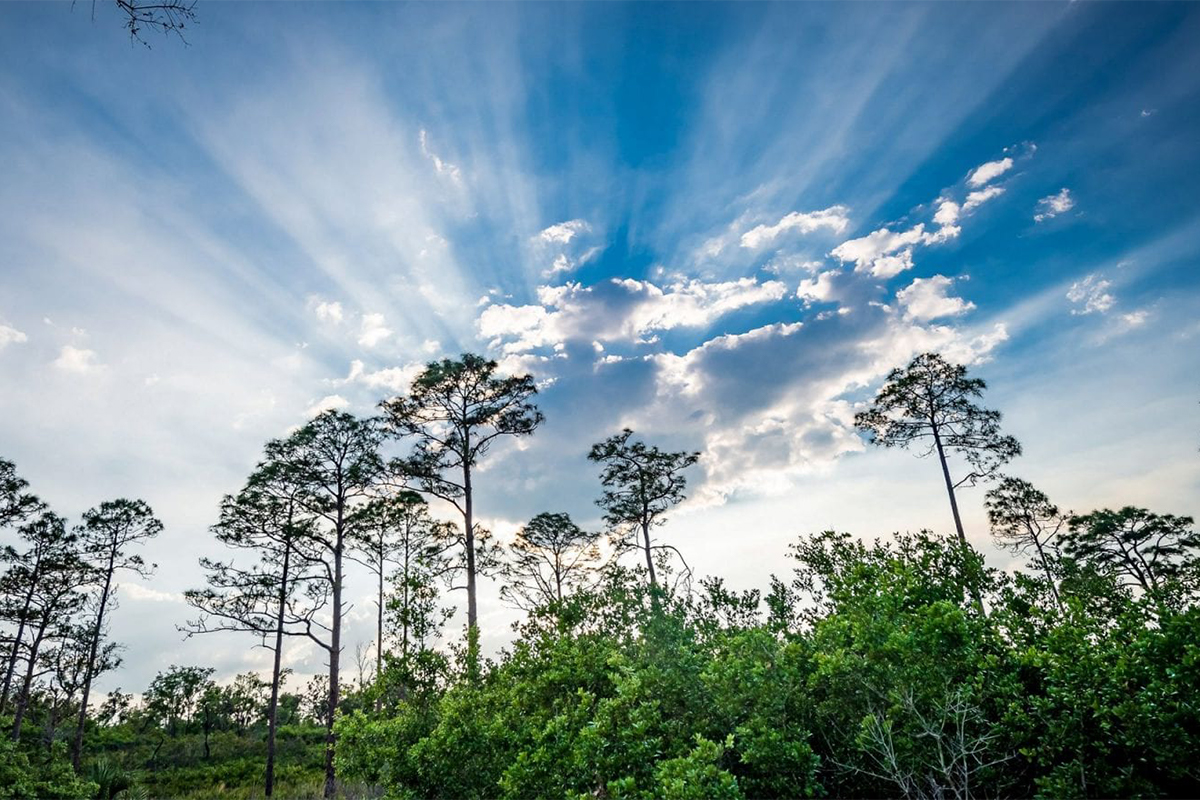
(890, 266)
(373, 330)
(834, 218)
(1051, 206)
(443, 167)
(564, 232)
(1091, 295)
(136, 591)
(328, 311)
(394, 379)
(865, 250)
(618, 310)
(947, 213)
(77, 360)
(326, 403)
(926, 299)
(989, 171)
(10, 335)
(981, 196)
(817, 289)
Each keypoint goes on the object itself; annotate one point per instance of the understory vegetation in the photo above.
(904, 666)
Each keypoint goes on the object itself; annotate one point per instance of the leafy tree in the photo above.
(397, 531)
(1023, 519)
(550, 556)
(641, 483)
(106, 536)
(1139, 548)
(334, 460)
(33, 577)
(456, 410)
(174, 696)
(54, 599)
(16, 505)
(931, 404)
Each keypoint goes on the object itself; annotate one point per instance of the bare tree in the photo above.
(168, 17)
(954, 745)
(456, 410)
(641, 483)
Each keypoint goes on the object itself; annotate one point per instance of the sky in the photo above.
(720, 225)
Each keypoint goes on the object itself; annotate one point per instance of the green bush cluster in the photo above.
(872, 672)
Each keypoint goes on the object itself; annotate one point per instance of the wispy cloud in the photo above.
(1051, 206)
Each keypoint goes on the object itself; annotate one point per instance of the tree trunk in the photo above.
(77, 746)
(23, 698)
(273, 708)
(469, 522)
(1049, 577)
(335, 652)
(649, 559)
(958, 526)
(16, 647)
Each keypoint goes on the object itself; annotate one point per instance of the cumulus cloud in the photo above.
(618, 310)
(1051, 206)
(373, 330)
(393, 379)
(564, 232)
(10, 335)
(327, 311)
(927, 299)
(1091, 294)
(77, 360)
(760, 442)
(817, 289)
(866, 251)
(327, 403)
(989, 171)
(834, 218)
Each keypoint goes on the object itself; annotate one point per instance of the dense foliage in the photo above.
(902, 667)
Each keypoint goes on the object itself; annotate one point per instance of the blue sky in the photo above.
(718, 224)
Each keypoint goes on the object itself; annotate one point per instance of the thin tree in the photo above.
(263, 599)
(931, 404)
(641, 483)
(549, 557)
(50, 548)
(398, 531)
(456, 410)
(1023, 520)
(1140, 548)
(334, 461)
(107, 535)
(52, 604)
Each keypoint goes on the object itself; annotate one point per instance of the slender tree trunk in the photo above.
(16, 646)
(77, 746)
(958, 526)
(469, 522)
(1049, 577)
(335, 652)
(649, 559)
(23, 698)
(273, 708)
